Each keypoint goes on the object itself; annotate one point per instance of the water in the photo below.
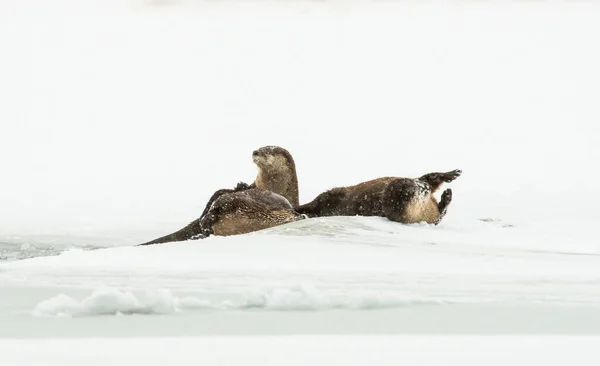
(18, 247)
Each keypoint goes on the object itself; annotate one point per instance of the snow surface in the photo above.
(321, 264)
(120, 119)
(110, 301)
(303, 350)
(113, 302)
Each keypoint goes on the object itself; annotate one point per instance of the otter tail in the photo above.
(192, 231)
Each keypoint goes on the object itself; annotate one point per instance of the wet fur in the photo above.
(247, 211)
(253, 207)
(404, 200)
(276, 172)
(193, 230)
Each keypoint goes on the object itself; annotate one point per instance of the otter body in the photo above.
(276, 172)
(267, 202)
(247, 211)
(404, 200)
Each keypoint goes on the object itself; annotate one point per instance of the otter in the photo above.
(267, 202)
(404, 200)
(247, 211)
(276, 172)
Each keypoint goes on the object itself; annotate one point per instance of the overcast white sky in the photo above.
(124, 115)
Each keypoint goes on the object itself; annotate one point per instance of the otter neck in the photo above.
(283, 182)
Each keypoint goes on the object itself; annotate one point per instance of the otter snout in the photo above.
(258, 156)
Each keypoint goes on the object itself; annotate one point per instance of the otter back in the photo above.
(404, 200)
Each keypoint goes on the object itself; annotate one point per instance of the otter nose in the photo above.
(255, 153)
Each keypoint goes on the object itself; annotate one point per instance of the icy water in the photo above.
(30, 246)
(22, 249)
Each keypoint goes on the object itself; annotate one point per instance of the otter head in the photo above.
(276, 172)
(272, 158)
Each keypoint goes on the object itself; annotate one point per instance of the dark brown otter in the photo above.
(252, 207)
(276, 172)
(247, 211)
(404, 200)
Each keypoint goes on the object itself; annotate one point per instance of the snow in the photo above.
(121, 118)
(107, 301)
(308, 297)
(112, 301)
(353, 263)
(303, 350)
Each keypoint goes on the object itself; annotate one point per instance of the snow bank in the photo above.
(108, 301)
(112, 301)
(308, 297)
(343, 257)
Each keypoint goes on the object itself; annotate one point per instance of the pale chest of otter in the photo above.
(265, 203)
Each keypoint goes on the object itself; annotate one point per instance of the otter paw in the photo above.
(450, 176)
(241, 186)
(205, 233)
(198, 236)
(446, 197)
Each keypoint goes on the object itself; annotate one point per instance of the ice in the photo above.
(110, 301)
(303, 297)
(308, 297)
(60, 305)
(340, 261)
(307, 350)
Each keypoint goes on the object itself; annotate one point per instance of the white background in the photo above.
(122, 117)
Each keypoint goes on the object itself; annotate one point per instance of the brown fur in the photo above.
(265, 203)
(276, 172)
(248, 211)
(403, 200)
